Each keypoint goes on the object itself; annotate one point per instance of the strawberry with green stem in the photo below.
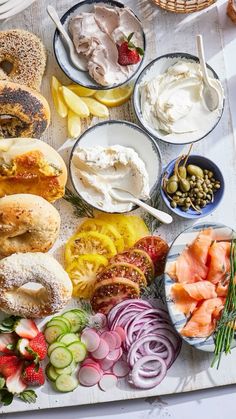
(128, 53)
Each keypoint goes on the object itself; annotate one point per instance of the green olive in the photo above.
(171, 187)
(184, 185)
(192, 169)
(182, 172)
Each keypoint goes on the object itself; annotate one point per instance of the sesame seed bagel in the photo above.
(23, 111)
(25, 55)
(28, 223)
(23, 268)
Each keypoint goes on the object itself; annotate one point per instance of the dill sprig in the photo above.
(224, 333)
(81, 208)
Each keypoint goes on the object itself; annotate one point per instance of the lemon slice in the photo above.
(74, 102)
(80, 90)
(96, 108)
(114, 97)
(58, 101)
(74, 124)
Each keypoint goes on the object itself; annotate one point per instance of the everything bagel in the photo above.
(28, 223)
(23, 268)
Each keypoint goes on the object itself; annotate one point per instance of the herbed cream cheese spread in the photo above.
(172, 103)
(96, 170)
(95, 36)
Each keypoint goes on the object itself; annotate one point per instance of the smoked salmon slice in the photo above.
(186, 296)
(219, 266)
(203, 321)
(183, 302)
(191, 265)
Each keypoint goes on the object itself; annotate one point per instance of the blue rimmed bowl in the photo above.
(62, 56)
(220, 233)
(204, 163)
(126, 134)
(155, 68)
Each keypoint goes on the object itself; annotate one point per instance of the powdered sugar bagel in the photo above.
(23, 268)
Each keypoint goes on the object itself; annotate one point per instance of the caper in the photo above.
(192, 169)
(196, 190)
(198, 201)
(207, 182)
(205, 171)
(186, 208)
(213, 180)
(181, 202)
(179, 193)
(182, 172)
(193, 177)
(176, 198)
(210, 175)
(208, 197)
(173, 204)
(184, 185)
(188, 199)
(171, 187)
(199, 184)
(217, 185)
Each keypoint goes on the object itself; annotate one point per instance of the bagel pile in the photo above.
(24, 112)
(32, 175)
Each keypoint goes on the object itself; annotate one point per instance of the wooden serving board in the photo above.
(165, 32)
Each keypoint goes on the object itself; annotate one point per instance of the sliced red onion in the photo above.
(134, 303)
(147, 382)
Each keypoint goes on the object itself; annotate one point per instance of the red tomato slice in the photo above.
(157, 249)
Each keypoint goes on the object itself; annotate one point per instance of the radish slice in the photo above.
(120, 332)
(107, 382)
(110, 339)
(102, 351)
(114, 355)
(91, 362)
(91, 339)
(117, 338)
(120, 369)
(89, 376)
(106, 364)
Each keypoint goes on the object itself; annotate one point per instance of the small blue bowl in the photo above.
(204, 163)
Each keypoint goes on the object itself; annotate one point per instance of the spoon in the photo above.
(78, 62)
(210, 93)
(124, 196)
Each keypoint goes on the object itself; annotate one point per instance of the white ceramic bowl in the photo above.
(110, 133)
(155, 68)
(61, 53)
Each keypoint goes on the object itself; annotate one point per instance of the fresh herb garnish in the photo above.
(81, 208)
(151, 221)
(7, 325)
(225, 327)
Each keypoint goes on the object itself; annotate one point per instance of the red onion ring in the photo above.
(147, 382)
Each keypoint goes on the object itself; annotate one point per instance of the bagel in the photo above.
(28, 223)
(23, 268)
(22, 58)
(23, 111)
(31, 166)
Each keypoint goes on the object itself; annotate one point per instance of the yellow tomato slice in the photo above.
(141, 230)
(104, 228)
(83, 272)
(89, 242)
(123, 225)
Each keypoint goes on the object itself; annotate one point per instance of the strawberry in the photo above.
(33, 375)
(128, 53)
(9, 365)
(22, 346)
(26, 328)
(38, 347)
(14, 383)
(7, 343)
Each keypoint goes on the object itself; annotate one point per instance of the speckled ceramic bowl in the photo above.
(60, 50)
(155, 68)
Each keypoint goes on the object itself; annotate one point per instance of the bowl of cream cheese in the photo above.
(168, 99)
(114, 154)
(97, 28)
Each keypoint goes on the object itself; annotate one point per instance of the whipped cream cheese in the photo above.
(98, 169)
(173, 104)
(95, 35)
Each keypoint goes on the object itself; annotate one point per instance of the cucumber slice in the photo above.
(61, 357)
(59, 323)
(78, 350)
(51, 372)
(68, 338)
(66, 383)
(51, 333)
(62, 319)
(77, 321)
(68, 370)
(55, 345)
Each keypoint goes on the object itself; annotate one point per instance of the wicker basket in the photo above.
(183, 6)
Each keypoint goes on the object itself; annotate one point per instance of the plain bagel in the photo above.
(23, 111)
(31, 166)
(23, 56)
(28, 223)
(23, 268)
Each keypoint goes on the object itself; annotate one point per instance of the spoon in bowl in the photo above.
(122, 195)
(210, 93)
(78, 62)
